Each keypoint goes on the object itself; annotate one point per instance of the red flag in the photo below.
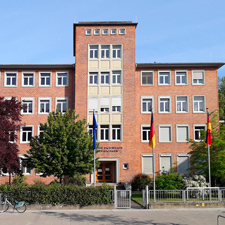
(208, 134)
(152, 134)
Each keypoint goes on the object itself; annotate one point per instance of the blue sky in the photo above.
(41, 31)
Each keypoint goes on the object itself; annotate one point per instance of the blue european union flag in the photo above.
(94, 130)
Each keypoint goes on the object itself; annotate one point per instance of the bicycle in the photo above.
(20, 207)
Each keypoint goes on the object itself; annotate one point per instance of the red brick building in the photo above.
(105, 78)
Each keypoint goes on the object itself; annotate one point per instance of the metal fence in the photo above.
(198, 195)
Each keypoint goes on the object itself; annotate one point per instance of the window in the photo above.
(116, 50)
(28, 79)
(114, 31)
(24, 166)
(40, 132)
(105, 31)
(25, 134)
(182, 163)
(116, 104)
(181, 104)
(116, 77)
(165, 163)
(92, 104)
(147, 78)
(45, 79)
(164, 78)
(147, 163)
(198, 129)
(93, 78)
(44, 105)
(125, 166)
(12, 136)
(165, 133)
(104, 77)
(104, 104)
(116, 132)
(182, 132)
(164, 104)
(62, 104)
(62, 79)
(198, 104)
(181, 78)
(105, 51)
(28, 105)
(88, 31)
(96, 31)
(198, 77)
(122, 31)
(93, 52)
(145, 130)
(104, 132)
(11, 79)
(90, 129)
(146, 104)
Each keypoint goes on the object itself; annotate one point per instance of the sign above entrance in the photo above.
(109, 149)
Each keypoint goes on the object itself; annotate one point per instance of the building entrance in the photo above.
(104, 172)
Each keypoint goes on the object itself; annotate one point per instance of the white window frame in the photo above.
(160, 162)
(142, 101)
(93, 101)
(104, 129)
(93, 50)
(21, 158)
(113, 31)
(177, 96)
(117, 49)
(105, 31)
(97, 32)
(28, 99)
(25, 73)
(204, 108)
(93, 75)
(39, 105)
(106, 50)
(5, 79)
(57, 79)
(147, 71)
(170, 104)
(176, 75)
(117, 105)
(203, 83)
(116, 129)
(60, 99)
(194, 129)
(88, 32)
(105, 75)
(21, 134)
(177, 132)
(142, 163)
(147, 130)
(44, 85)
(122, 31)
(182, 155)
(171, 132)
(159, 75)
(118, 75)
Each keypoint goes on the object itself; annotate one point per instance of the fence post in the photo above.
(183, 195)
(115, 196)
(220, 195)
(147, 197)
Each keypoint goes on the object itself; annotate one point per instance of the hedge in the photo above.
(58, 194)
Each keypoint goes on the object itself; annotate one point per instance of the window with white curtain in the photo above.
(147, 163)
(182, 132)
(165, 133)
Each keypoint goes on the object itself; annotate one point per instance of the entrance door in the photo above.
(104, 172)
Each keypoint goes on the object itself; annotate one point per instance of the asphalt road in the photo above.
(115, 216)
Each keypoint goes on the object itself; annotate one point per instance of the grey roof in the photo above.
(180, 65)
(37, 66)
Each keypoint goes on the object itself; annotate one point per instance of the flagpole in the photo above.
(208, 143)
(209, 165)
(154, 174)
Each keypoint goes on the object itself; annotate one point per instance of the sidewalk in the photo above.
(115, 216)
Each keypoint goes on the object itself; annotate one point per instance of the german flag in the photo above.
(152, 134)
(208, 134)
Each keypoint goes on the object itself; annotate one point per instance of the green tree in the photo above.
(64, 148)
(199, 152)
(221, 90)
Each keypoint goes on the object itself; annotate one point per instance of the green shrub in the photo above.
(77, 179)
(19, 180)
(168, 181)
(139, 182)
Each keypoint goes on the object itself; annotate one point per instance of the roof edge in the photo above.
(37, 66)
